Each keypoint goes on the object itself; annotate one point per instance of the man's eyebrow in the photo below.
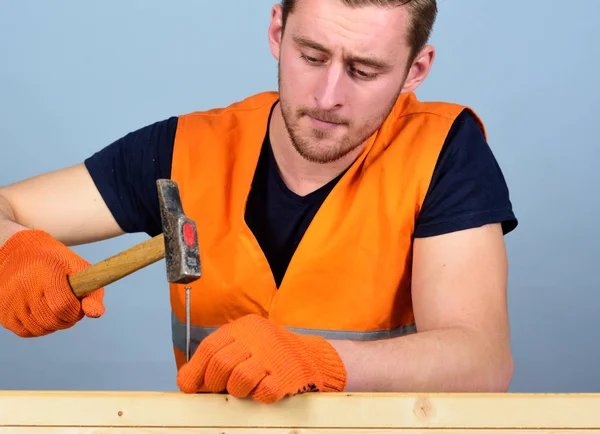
(370, 62)
(310, 44)
(367, 61)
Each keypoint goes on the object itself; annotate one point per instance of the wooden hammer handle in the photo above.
(118, 266)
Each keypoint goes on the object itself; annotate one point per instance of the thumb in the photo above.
(93, 304)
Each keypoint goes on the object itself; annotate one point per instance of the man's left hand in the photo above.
(254, 357)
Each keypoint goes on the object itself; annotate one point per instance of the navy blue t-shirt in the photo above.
(467, 190)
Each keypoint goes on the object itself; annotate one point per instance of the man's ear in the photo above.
(276, 30)
(419, 69)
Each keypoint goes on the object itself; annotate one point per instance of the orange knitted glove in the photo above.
(35, 296)
(252, 356)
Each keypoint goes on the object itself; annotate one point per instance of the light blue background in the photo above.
(74, 76)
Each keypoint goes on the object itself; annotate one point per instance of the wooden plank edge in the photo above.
(236, 430)
(310, 411)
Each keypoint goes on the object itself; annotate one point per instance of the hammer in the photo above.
(178, 244)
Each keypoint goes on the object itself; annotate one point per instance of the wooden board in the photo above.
(327, 413)
(143, 430)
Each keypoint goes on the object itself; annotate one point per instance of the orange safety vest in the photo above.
(350, 277)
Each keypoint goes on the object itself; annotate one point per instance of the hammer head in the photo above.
(181, 237)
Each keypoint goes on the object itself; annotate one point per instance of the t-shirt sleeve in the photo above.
(468, 188)
(125, 173)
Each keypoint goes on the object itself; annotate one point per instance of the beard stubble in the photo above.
(317, 146)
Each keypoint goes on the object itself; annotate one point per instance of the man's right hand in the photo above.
(35, 296)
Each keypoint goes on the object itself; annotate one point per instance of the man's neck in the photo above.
(300, 175)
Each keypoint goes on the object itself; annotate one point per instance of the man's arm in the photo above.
(463, 338)
(111, 193)
(64, 203)
(458, 284)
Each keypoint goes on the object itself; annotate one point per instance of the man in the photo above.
(351, 235)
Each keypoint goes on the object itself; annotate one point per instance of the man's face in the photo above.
(341, 70)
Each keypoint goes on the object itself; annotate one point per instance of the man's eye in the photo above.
(362, 74)
(309, 59)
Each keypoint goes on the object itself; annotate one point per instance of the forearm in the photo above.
(449, 360)
(8, 226)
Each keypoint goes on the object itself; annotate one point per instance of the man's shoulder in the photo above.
(409, 103)
(467, 188)
(126, 170)
(410, 106)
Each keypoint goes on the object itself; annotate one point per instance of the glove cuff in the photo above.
(328, 363)
(24, 238)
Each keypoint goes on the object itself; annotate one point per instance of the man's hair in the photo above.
(423, 14)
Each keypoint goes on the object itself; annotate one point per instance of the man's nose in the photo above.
(330, 92)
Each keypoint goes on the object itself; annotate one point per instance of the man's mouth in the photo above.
(324, 124)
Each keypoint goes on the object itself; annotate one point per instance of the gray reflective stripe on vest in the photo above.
(199, 333)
